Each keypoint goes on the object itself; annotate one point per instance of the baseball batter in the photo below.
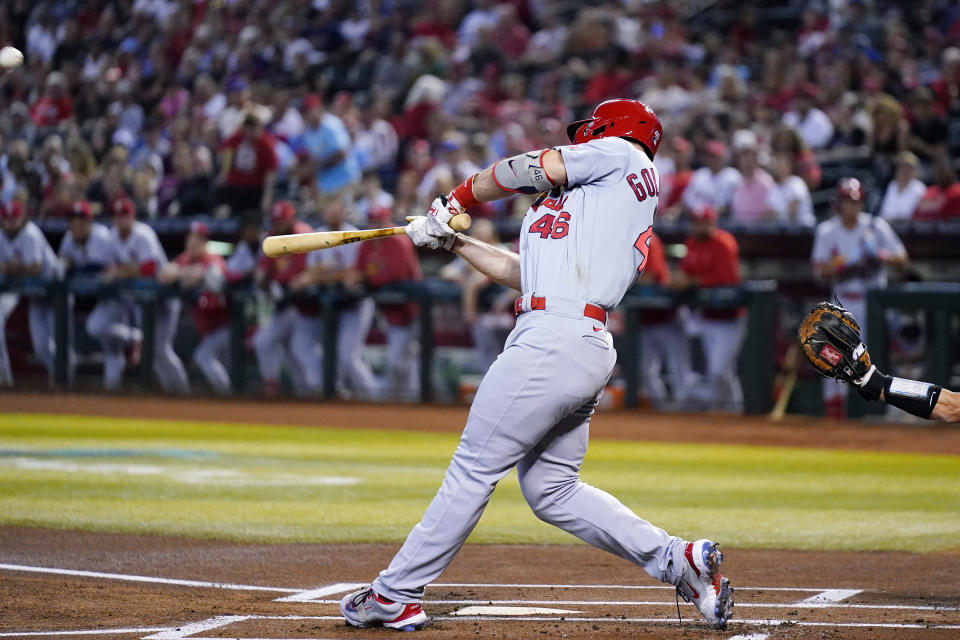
(25, 252)
(582, 244)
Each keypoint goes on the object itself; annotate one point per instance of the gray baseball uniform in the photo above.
(353, 373)
(90, 256)
(30, 247)
(858, 246)
(584, 246)
(112, 321)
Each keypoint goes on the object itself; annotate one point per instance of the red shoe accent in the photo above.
(409, 611)
(696, 594)
(688, 552)
(379, 598)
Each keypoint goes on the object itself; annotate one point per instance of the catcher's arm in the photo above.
(830, 337)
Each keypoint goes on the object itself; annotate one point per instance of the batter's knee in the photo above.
(545, 489)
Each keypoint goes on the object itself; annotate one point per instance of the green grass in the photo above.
(285, 484)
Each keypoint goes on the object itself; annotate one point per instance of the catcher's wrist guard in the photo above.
(914, 397)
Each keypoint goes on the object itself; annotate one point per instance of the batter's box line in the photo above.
(670, 603)
(317, 595)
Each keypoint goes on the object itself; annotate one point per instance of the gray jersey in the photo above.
(141, 247)
(30, 247)
(96, 253)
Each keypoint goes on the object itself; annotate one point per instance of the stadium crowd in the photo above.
(342, 113)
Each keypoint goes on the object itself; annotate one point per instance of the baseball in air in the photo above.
(10, 57)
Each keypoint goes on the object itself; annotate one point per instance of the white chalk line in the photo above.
(300, 595)
(150, 579)
(605, 586)
(762, 622)
(668, 603)
(82, 632)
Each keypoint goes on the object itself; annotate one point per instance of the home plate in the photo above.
(508, 611)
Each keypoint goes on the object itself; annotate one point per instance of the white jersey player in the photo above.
(355, 317)
(25, 252)
(85, 250)
(136, 253)
(851, 250)
(581, 247)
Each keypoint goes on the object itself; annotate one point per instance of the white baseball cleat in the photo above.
(367, 608)
(702, 584)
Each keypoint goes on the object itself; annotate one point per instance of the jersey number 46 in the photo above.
(552, 226)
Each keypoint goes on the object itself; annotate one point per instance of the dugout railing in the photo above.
(756, 358)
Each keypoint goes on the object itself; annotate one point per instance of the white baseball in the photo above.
(10, 57)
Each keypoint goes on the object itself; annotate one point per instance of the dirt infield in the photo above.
(77, 584)
(779, 594)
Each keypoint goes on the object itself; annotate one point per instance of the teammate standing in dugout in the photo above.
(582, 244)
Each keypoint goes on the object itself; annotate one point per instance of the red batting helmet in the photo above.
(621, 118)
(849, 189)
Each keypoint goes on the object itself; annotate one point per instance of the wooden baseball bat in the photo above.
(274, 246)
(788, 379)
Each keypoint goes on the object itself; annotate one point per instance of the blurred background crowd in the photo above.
(359, 113)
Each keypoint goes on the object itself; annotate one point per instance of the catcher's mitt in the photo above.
(830, 337)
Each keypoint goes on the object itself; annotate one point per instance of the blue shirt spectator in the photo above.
(326, 139)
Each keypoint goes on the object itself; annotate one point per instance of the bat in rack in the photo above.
(275, 246)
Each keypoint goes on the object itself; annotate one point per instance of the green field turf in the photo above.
(285, 484)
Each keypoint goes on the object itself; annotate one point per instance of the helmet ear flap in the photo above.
(574, 127)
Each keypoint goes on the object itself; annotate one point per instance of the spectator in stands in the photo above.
(941, 201)
(805, 165)
(811, 123)
(326, 139)
(201, 276)
(248, 168)
(928, 130)
(946, 88)
(713, 184)
(664, 348)
(713, 260)
(888, 134)
(386, 261)
(193, 181)
(749, 203)
(673, 166)
(372, 197)
(789, 199)
(55, 105)
(904, 191)
(375, 142)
